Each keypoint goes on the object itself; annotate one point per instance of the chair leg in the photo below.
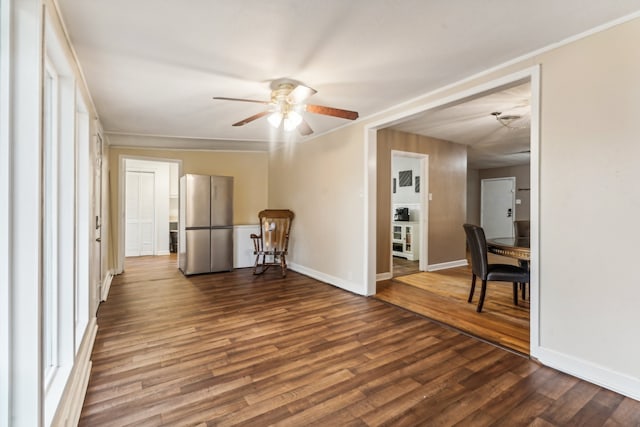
(283, 265)
(473, 287)
(515, 293)
(483, 291)
(524, 291)
(255, 266)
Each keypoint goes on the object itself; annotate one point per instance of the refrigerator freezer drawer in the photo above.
(222, 249)
(198, 253)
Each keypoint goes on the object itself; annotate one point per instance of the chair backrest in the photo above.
(478, 247)
(275, 225)
(522, 228)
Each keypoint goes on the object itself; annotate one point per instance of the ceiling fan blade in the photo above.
(241, 100)
(304, 128)
(252, 118)
(299, 94)
(330, 111)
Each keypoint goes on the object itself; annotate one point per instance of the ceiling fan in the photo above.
(287, 105)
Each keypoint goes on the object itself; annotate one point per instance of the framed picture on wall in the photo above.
(394, 185)
(405, 178)
(417, 185)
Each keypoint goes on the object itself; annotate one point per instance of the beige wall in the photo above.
(447, 185)
(589, 197)
(322, 182)
(249, 169)
(473, 196)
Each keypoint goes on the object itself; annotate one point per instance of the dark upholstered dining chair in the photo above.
(522, 228)
(489, 272)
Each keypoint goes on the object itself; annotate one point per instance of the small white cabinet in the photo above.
(404, 239)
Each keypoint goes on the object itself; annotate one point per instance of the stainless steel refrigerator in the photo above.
(205, 240)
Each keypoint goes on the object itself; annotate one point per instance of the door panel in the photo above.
(198, 188)
(132, 230)
(222, 249)
(221, 201)
(198, 253)
(146, 239)
(132, 243)
(140, 213)
(146, 208)
(498, 207)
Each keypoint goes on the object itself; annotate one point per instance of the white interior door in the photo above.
(140, 213)
(97, 220)
(498, 206)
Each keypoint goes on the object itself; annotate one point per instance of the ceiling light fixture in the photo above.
(285, 116)
(507, 120)
(287, 105)
(292, 120)
(275, 119)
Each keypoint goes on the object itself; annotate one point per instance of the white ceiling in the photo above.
(491, 143)
(152, 67)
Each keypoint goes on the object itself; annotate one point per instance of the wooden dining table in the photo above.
(512, 247)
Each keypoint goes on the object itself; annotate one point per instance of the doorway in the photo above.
(529, 76)
(148, 206)
(409, 212)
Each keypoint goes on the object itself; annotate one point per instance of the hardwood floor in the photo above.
(402, 267)
(442, 296)
(232, 348)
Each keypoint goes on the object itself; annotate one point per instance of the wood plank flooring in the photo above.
(402, 266)
(234, 349)
(442, 296)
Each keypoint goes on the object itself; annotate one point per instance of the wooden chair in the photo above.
(489, 272)
(270, 246)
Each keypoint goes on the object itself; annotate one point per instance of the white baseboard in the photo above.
(164, 252)
(588, 371)
(445, 265)
(70, 406)
(332, 280)
(106, 285)
(383, 276)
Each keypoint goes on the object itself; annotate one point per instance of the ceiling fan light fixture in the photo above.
(275, 119)
(506, 120)
(286, 106)
(292, 120)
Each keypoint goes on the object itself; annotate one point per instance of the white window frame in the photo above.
(60, 203)
(5, 201)
(50, 260)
